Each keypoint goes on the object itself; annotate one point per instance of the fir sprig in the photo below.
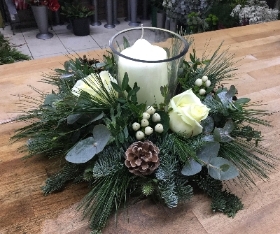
(107, 194)
(249, 158)
(222, 200)
(58, 181)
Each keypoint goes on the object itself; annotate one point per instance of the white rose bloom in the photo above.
(91, 79)
(187, 113)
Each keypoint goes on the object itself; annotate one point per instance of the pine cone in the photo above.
(141, 158)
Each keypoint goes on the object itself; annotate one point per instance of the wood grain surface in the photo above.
(24, 209)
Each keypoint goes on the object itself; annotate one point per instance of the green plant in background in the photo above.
(212, 21)
(222, 10)
(72, 10)
(157, 4)
(8, 54)
(196, 23)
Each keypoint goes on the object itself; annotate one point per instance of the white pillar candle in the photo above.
(149, 76)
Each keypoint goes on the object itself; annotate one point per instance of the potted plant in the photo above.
(158, 14)
(184, 11)
(40, 12)
(78, 15)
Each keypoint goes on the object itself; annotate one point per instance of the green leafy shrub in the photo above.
(8, 54)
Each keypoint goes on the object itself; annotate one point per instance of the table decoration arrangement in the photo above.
(146, 122)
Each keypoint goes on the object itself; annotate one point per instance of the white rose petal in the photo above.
(148, 130)
(139, 135)
(150, 110)
(156, 117)
(146, 115)
(90, 84)
(198, 82)
(202, 91)
(144, 123)
(159, 128)
(135, 126)
(186, 114)
(204, 78)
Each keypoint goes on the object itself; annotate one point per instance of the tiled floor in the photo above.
(63, 41)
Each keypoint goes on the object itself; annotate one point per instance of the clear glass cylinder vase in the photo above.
(151, 57)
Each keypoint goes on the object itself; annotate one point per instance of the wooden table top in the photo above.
(24, 209)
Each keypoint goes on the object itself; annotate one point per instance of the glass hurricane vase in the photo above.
(151, 58)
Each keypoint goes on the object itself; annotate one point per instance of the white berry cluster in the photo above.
(143, 128)
(203, 83)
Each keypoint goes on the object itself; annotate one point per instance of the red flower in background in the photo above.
(53, 5)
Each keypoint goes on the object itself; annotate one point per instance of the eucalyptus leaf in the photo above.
(222, 169)
(229, 126)
(97, 117)
(208, 151)
(223, 98)
(73, 118)
(225, 95)
(242, 101)
(192, 168)
(208, 138)
(223, 134)
(99, 65)
(87, 148)
(101, 135)
(50, 98)
(82, 152)
(231, 92)
(207, 125)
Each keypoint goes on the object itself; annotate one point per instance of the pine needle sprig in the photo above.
(110, 160)
(219, 66)
(108, 193)
(222, 200)
(186, 148)
(58, 181)
(251, 160)
(165, 174)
